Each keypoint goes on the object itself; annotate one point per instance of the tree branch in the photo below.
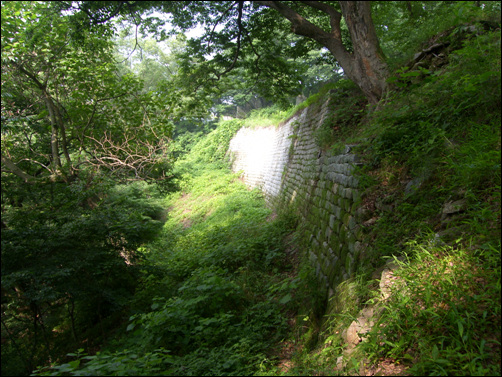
(334, 16)
(56, 121)
(299, 25)
(97, 20)
(218, 21)
(136, 157)
(14, 169)
(238, 48)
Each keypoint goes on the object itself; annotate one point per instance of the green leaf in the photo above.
(424, 70)
(435, 353)
(390, 343)
(411, 74)
(460, 328)
(408, 356)
(285, 299)
(74, 364)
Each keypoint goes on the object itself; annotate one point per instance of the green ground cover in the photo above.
(222, 293)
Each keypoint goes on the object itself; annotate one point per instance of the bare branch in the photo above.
(37, 163)
(131, 154)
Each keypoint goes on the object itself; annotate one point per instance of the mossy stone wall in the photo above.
(293, 171)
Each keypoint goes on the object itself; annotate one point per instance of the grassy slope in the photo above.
(439, 130)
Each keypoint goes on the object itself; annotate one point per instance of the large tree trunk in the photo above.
(366, 65)
(369, 69)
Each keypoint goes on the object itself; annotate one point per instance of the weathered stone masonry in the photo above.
(292, 170)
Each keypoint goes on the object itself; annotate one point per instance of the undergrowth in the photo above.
(443, 317)
(435, 143)
(219, 286)
(216, 285)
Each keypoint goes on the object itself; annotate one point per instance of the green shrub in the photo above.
(70, 253)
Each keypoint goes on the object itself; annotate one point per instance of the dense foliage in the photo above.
(434, 141)
(65, 110)
(72, 129)
(125, 252)
(213, 286)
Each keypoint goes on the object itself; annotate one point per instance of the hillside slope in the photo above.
(426, 298)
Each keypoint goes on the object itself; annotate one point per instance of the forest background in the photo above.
(125, 236)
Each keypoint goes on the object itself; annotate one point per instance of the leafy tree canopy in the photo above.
(255, 36)
(66, 110)
(72, 126)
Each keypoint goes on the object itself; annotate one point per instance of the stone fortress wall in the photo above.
(292, 170)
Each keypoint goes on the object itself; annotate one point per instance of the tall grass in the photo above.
(444, 314)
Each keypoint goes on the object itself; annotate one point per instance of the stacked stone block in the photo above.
(292, 170)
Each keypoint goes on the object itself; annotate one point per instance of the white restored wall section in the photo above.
(261, 154)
